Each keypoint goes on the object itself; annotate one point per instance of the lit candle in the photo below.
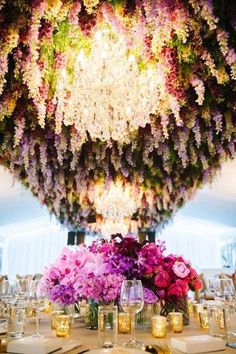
(63, 325)
(158, 326)
(124, 323)
(176, 321)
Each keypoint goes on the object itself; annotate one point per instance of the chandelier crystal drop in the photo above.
(109, 96)
(115, 203)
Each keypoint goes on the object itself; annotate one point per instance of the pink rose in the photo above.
(157, 269)
(148, 272)
(193, 274)
(168, 262)
(183, 286)
(174, 292)
(162, 279)
(180, 269)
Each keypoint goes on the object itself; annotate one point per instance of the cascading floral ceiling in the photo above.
(142, 92)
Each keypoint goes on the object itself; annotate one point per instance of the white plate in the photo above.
(117, 350)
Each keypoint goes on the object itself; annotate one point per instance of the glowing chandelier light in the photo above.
(109, 96)
(115, 203)
(109, 228)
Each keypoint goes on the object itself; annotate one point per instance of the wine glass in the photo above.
(224, 290)
(22, 289)
(7, 297)
(131, 301)
(38, 298)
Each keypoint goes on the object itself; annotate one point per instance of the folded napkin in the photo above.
(44, 345)
(29, 345)
(197, 344)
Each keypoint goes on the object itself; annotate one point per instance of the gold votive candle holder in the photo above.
(176, 322)
(190, 307)
(63, 325)
(196, 309)
(48, 306)
(54, 316)
(124, 323)
(204, 319)
(158, 326)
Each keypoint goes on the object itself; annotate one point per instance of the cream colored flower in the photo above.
(53, 7)
(89, 4)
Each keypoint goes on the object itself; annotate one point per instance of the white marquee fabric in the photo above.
(197, 240)
(29, 247)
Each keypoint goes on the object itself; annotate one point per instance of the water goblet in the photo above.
(22, 289)
(131, 301)
(224, 290)
(38, 298)
(6, 296)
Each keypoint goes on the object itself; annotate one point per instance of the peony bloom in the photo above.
(180, 269)
(148, 271)
(183, 286)
(174, 293)
(162, 279)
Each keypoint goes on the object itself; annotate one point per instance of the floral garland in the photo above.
(190, 43)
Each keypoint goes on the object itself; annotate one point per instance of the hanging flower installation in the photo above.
(94, 92)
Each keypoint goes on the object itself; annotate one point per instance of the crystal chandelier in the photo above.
(116, 203)
(109, 96)
(112, 228)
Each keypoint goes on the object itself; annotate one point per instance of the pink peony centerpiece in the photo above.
(96, 273)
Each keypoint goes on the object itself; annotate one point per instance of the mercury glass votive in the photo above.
(63, 325)
(204, 319)
(176, 321)
(158, 326)
(54, 316)
(124, 323)
(196, 309)
(190, 306)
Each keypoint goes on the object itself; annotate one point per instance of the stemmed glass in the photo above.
(131, 301)
(38, 304)
(7, 297)
(22, 289)
(224, 290)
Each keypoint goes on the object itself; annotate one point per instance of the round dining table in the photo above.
(82, 339)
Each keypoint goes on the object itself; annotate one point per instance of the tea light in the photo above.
(204, 319)
(124, 323)
(54, 316)
(176, 321)
(63, 325)
(158, 326)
